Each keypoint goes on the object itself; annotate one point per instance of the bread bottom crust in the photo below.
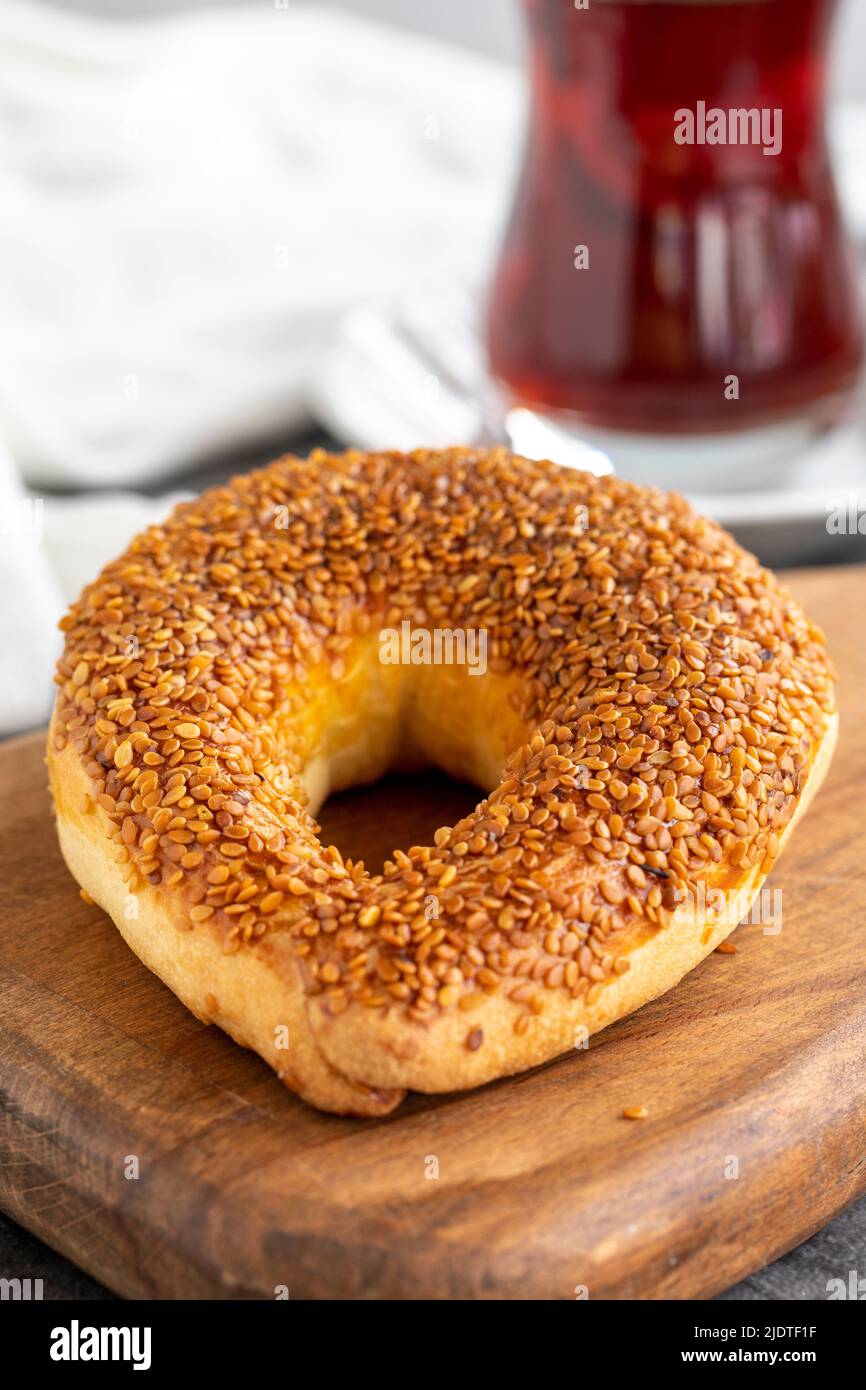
(392, 1051)
(359, 1062)
(257, 996)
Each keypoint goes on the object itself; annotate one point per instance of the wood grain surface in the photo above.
(753, 1072)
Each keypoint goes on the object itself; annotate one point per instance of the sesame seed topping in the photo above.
(670, 692)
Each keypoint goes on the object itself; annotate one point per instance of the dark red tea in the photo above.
(716, 289)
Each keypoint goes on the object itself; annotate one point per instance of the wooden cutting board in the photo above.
(753, 1072)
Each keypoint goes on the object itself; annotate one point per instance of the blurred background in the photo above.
(230, 230)
(488, 26)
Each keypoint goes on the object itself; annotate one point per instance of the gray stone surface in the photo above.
(22, 1256)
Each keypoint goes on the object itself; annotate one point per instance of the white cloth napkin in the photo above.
(186, 207)
(188, 204)
(50, 547)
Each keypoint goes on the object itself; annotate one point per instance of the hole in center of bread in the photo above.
(396, 812)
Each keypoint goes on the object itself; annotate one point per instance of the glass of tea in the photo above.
(675, 264)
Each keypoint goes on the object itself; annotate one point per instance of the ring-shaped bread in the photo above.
(653, 713)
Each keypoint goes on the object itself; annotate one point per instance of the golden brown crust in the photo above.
(662, 707)
(259, 999)
(436, 1058)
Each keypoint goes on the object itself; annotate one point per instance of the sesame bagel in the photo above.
(652, 715)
